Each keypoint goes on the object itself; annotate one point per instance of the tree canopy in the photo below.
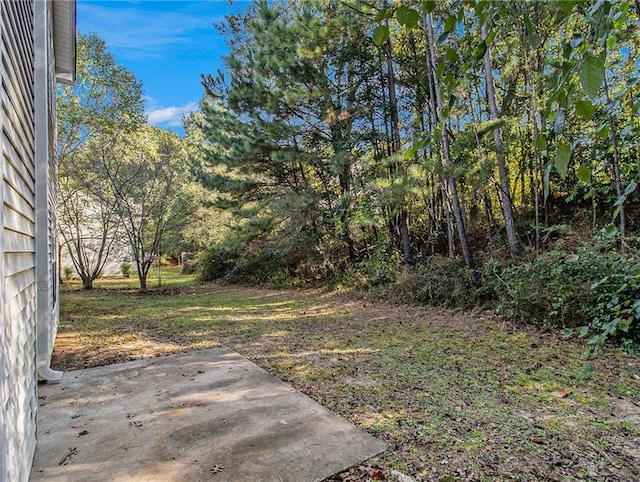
(351, 138)
(105, 102)
(123, 183)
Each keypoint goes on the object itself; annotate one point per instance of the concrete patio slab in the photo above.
(203, 415)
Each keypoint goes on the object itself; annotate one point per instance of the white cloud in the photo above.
(170, 116)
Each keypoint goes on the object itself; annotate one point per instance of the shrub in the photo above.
(375, 274)
(448, 282)
(594, 290)
(381, 268)
(549, 291)
(616, 311)
(188, 263)
(257, 264)
(67, 272)
(434, 280)
(125, 269)
(216, 262)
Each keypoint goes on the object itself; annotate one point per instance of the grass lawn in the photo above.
(456, 396)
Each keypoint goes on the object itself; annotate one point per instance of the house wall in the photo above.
(46, 190)
(18, 397)
(28, 247)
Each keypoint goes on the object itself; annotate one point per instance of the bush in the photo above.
(216, 262)
(549, 291)
(435, 280)
(257, 264)
(125, 269)
(67, 272)
(616, 312)
(188, 263)
(594, 290)
(374, 275)
(380, 269)
(448, 282)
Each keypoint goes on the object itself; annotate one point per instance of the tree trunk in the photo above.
(451, 245)
(535, 171)
(453, 192)
(507, 204)
(487, 212)
(87, 282)
(613, 135)
(142, 277)
(402, 220)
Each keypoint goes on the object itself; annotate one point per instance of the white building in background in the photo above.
(87, 228)
(37, 47)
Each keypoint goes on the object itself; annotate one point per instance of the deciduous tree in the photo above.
(104, 103)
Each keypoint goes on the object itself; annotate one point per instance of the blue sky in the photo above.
(167, 44)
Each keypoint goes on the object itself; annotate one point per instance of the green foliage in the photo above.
(550, 291)
(104, 103)
(379, 269)
(380, 34)
(616, 309)
(216, 262)
(253, 263)
(294, 147)
(125, 269)
(592, 75)
(562, 159)
(594, 290)
(67, 272)
(448, 282)
(147, 173)
(336, 144)
(121, 180)
(105, 98)
(434, 280)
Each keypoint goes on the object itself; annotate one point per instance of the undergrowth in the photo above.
(590, 292)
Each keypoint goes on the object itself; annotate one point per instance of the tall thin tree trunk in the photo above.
(403, 217)
(523, 176)
(507, 204)
(487, 212)
(533, 116)
(451, 245)
(613, 135)
(433, 122)
(453, 192)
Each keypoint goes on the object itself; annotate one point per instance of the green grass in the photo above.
(456, 396)
(167, 276)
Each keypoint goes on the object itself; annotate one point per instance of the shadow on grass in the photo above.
(458, 395)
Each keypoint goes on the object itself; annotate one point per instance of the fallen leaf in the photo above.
(377, 474)
(72, 451)
(560, 393)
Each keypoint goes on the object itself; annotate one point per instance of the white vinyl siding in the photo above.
(28, 231)
(46, 189)
(17, 246)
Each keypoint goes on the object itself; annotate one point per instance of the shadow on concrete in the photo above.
(203, 415)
